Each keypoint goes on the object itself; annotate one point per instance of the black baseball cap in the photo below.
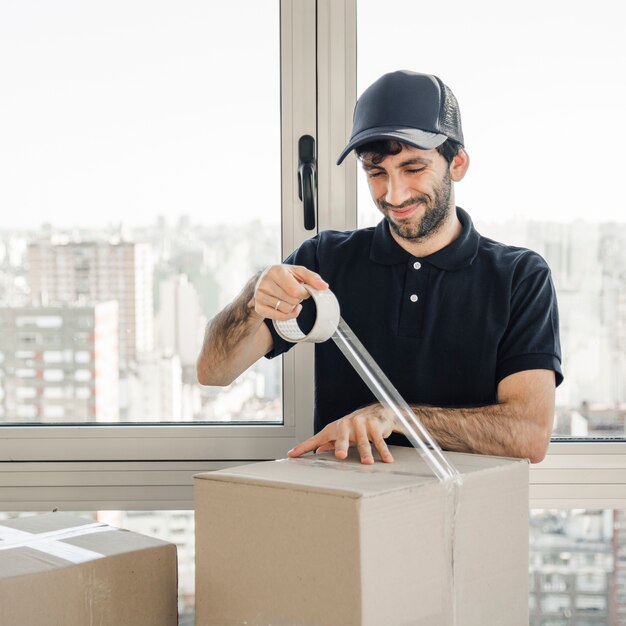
(416, 109)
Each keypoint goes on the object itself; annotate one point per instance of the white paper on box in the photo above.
(51, 542)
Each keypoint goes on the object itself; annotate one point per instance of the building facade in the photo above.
(59, 364)
(97, 271)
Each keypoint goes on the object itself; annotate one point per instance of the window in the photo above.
(26, 392)
(53, 375)
(43, 321)
(53, 411)
(82, 375)
(25, 354)
(53, 392)
(142, 216)
(510, 101)
(155, 214)
(533, 183)
(27, 411)
(53, 356)
(82, 356)
(25, 373)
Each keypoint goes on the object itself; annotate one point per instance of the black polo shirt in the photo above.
(445, 328)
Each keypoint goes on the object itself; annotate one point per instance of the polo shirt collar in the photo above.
(460, 253)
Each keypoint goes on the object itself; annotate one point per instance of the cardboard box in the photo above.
(61, 570)
(316, 541)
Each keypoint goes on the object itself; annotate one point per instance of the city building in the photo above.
(577, 568)
(59, 363)
(181, 323)
(96, 271)
(156, 390)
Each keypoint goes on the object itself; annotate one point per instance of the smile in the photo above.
(405, 211)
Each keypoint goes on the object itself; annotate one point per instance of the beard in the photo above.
(438, 209)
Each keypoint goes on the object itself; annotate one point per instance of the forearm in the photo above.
(499, 429)
(237, 337)
(229, 345)
(518, 425)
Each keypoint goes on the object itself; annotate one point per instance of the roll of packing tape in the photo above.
(326, 319)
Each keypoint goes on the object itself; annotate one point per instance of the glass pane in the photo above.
(578, 567)
(133, 210)
(539, 86)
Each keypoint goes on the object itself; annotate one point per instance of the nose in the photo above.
(397, 190)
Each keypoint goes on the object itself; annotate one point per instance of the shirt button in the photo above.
(417, 265)
(413, 298)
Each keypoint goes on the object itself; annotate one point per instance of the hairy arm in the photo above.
(237, 336)
(234, 339)
(519, 425)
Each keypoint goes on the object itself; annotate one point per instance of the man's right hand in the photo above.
(280, 290)
(237, 337)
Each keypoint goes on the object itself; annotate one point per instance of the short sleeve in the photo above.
(531, 339)
(305, 255)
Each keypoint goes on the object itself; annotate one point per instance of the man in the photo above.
(465, 328)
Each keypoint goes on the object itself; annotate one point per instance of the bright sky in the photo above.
(542, 90)
(120, 111)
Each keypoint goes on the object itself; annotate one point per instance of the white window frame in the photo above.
(151, 467)
(580, 475)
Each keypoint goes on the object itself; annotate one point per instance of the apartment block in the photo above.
(180, 318)
(98, 271)
(59, 363)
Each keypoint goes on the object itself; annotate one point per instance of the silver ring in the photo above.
(277, 305)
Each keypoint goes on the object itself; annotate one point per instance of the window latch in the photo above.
(307, 180)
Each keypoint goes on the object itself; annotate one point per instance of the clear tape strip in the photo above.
(52, 542)
(385, 392)
(390, 398)
(329, 324)
(392, 401)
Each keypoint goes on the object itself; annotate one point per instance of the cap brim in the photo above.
(411, 136)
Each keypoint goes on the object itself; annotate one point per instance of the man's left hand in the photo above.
(369, 424)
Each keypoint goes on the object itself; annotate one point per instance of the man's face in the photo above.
(412, 189)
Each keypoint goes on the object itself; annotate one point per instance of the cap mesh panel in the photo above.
(451, 118)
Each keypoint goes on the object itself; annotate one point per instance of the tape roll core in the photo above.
(326, 319)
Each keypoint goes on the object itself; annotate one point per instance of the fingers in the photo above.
(381, 446)
(312, 443)
(280, 289)
(275, 308)
(309, 277)
(342, 442)
(362, 441)
(359, 428)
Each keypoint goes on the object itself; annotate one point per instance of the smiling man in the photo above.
(466, 328)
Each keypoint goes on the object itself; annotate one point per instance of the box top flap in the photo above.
(351, 478)
(39, 543)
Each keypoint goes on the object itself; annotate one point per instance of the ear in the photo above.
(459, 165)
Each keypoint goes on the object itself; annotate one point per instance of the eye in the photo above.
(374, 174)
(415, 171)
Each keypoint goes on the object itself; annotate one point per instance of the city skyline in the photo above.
(196, 271)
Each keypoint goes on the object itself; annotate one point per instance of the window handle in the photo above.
(307, 180)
